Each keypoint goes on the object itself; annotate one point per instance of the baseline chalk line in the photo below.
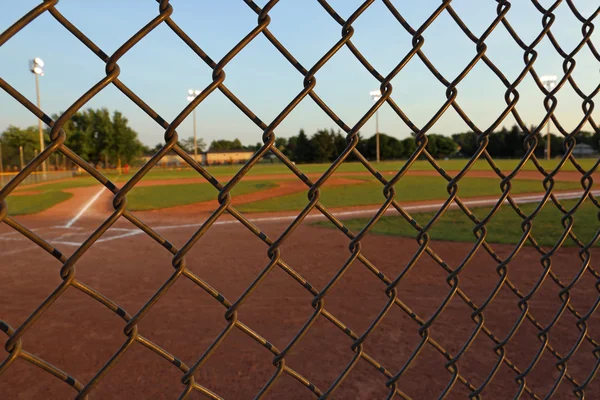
(85, 208)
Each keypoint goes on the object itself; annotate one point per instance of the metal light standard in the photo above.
(191, 96)
(35, 66)
(549, 82)
(376, 95)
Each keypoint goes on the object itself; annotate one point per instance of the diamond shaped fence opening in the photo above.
(382, 318)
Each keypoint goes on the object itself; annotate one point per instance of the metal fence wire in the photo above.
(16, 345)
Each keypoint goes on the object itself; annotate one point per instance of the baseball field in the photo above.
(128, 267)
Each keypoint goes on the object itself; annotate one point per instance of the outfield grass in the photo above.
(410, 188)
(504, 227)
(349, 167)
(31, 204)
(271, 169)
(162, 196)
(335, 197)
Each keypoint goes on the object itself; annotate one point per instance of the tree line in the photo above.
(106, 139)
(96, 135)
(510, 143)
(326, 145)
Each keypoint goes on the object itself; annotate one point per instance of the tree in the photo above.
(254, 147)
(125, 144)
(290, 148)
(410, 146)
(390, 148)
(591, 138)
(12, 138)
(445, 146)
(103, 135)
(303, 151)
(595, 140)
(188, 144)
(466, 142)
(78, 132)
(156, 148)
(361, 147)
(281, 143)
(497, 146)
(96, 137)
(223, 144)
(514, 139)
(431, 146)
(323, 146)
(339, 141)
(556, 145)
(585, 137)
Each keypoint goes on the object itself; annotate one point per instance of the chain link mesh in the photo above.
(16, 346)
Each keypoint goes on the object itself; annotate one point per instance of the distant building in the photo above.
(216, 157)
(584, 150)
(211, 157)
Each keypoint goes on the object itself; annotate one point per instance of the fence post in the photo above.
(21, 157)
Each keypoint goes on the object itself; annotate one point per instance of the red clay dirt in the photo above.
(561, 176)
(149, 181)
(79, 335)
(81, 196)
(284, 187)
(287, 185)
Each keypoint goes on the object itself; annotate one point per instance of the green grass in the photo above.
(50, 194)
(349, 167)
(503, 227)
(410, 188)
(162, 196)
(61, 185)
(271, 169)
(31, 204)
(345, 196)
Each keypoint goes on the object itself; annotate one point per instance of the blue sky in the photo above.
(161, 68)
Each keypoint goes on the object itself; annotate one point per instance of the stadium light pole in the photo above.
(191, 96)
(36, 67)
(376, 95)
(549, 82)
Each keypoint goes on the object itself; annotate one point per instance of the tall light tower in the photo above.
(35, 66)
(549, 82)
(376, 95)
(191, 96)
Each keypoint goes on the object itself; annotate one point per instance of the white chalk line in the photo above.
(17, 251)
(132, 232)
(15, 233)
(85, 208)
(11, 239)
(342, 214)
(66, 243)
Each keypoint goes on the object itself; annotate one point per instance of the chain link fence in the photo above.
(16, 345)
(37, 177)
